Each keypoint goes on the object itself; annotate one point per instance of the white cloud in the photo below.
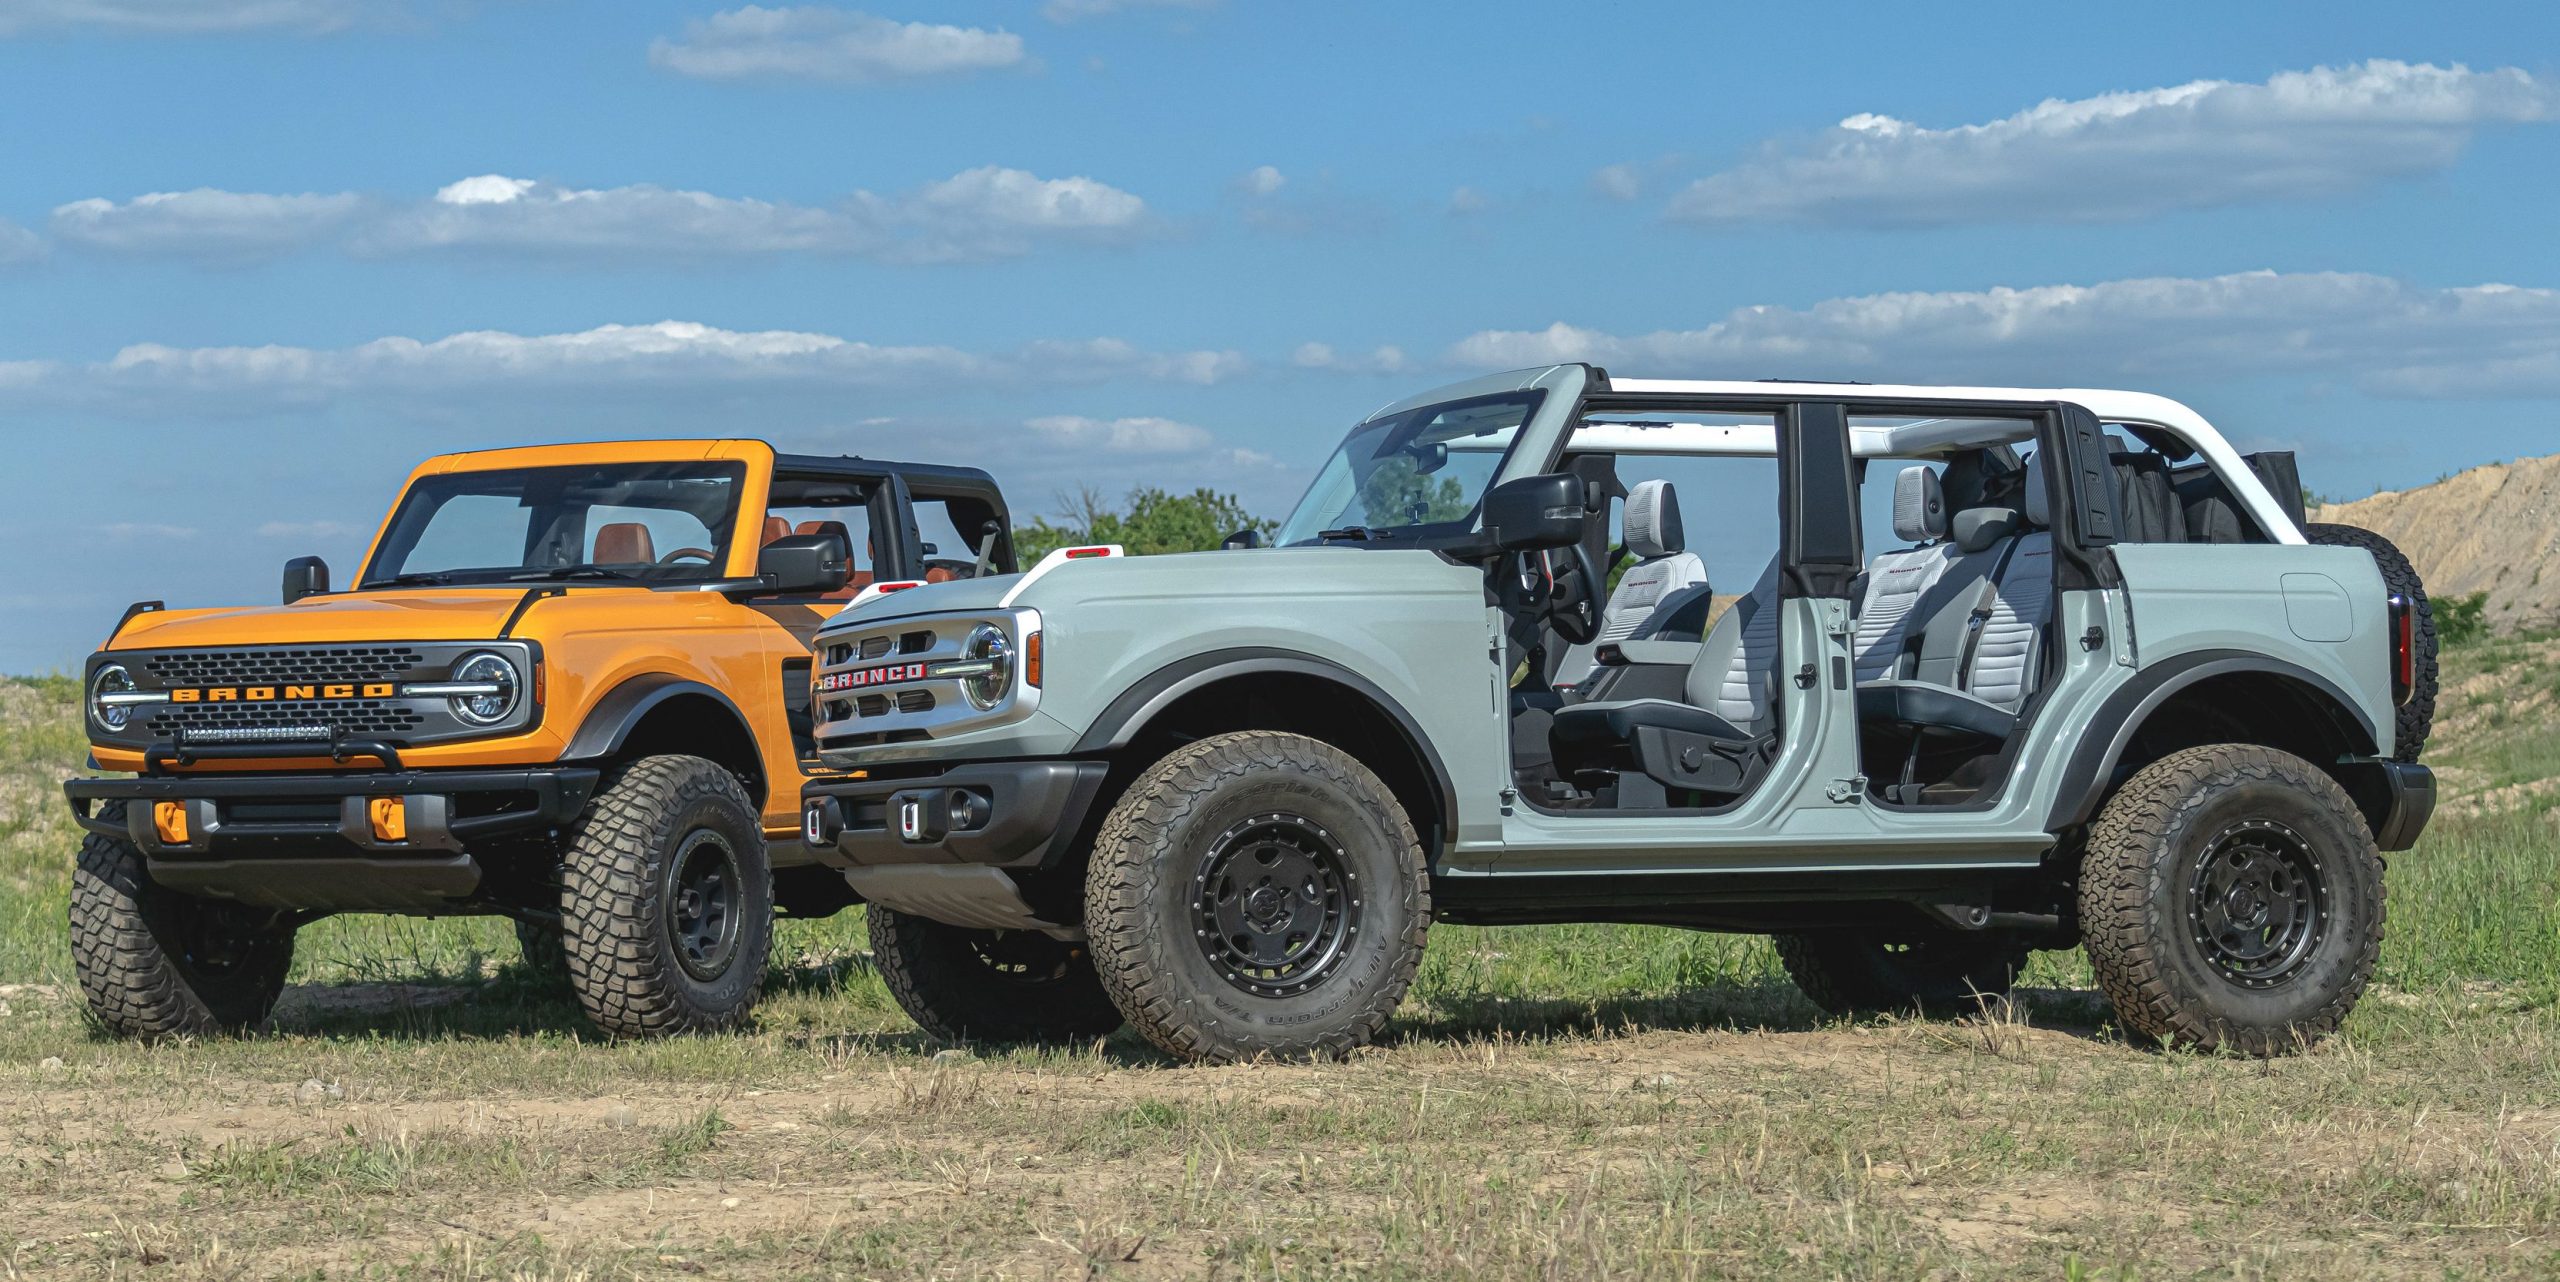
(18, 246)
(842, 46)
(1079, 10)
(1261, 180)
(204, 223)
(2383, 335)
(1122, 435)
(186, 17)
(1621, 183)
(1468, 200)
(2127, 155)
(976, 215)
(1380, 360)
(670, 357)
(145, 531)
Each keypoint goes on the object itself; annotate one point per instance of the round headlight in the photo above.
(486, 668)
(111, 679)
(990, 646)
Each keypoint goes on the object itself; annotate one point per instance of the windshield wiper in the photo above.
(568, 572)
(1353, 533)
(416, 578)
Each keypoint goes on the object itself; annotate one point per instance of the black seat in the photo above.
(1603, 734)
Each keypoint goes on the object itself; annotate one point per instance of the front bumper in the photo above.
(307, 841)
(1003, 814)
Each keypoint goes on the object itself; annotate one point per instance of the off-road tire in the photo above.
(962, 985)
(2140, 900)
(1944, 975)
(2417, 717)
(619, 906)
(138, 965)
(1201, 804)
(546, 953)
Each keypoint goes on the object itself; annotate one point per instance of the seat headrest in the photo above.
(1653, 520)
(2039, 499)
(625, 543)
(1919, 506)
(774, 528)
(1977, 528)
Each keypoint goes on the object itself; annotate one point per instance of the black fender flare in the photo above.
(2094, 760)
(609, 723)
(1140, 704)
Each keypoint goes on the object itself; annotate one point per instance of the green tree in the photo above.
(2462, 620)
(1150, 521)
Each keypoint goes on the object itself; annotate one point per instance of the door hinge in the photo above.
(1846, 792)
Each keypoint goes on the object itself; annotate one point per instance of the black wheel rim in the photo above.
(1275, 905)
(1023, 957)
(2256, 904)
(215, 944)
(702, 895)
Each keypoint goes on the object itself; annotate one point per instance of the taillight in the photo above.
(2404, 650)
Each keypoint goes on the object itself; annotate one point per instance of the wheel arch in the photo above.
(658, 712)
(2214, 696)
(1272, 689)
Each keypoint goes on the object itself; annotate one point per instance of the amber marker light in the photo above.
(1031, 659)
(390, 817)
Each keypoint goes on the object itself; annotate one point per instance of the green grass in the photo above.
(1569, 1101)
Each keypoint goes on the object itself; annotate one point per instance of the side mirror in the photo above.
(1248, 537)
(800, 564)
(1536, 512)
(305, 576)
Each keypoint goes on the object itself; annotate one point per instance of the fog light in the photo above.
(169, 818)
(390, 817)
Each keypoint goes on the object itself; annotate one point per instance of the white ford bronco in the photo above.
(1914, 679)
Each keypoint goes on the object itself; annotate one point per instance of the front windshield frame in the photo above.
(550, 517)
(1389, 436)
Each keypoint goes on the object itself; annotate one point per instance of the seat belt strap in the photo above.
(1986, 604)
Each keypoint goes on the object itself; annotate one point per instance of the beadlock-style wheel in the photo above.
(1274, 903)
(2256, 903)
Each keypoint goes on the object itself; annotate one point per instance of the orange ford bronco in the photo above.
(568, 686)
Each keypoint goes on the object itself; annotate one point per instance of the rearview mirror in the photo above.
(305, 576)
(1248, 537)
(1536, 512)
(801, 564)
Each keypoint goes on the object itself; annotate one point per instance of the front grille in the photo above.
(352, 716)
(258, 667)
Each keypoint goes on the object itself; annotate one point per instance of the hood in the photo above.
(458, 614)
(1310, 573)
(933, 598)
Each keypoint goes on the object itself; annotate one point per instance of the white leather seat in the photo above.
(1663, 573)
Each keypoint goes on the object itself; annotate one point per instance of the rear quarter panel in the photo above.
(2323, 609)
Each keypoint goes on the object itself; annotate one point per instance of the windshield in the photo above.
(647, 522)
(1394, 476)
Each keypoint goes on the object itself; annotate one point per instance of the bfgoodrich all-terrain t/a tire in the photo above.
(990, 985)
(667, 901)
(2231, 897)
(1942, 974)
(1257, 894)
(154, 963)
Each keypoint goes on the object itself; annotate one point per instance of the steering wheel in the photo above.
(679, 554)
(1563, 587)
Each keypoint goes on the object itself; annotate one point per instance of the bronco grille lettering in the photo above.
(861, 678)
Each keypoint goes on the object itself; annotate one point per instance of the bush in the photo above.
(1153, 522)
(2462, 620)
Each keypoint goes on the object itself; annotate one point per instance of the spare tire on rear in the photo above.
(2418, 715)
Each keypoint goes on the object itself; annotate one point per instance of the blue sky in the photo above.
(260, 256)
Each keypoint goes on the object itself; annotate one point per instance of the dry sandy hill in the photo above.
(2492, 529)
